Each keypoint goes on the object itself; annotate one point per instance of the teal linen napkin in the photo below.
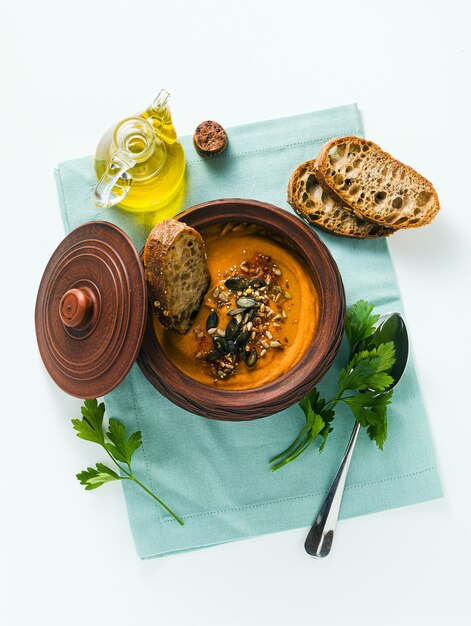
(215, 475)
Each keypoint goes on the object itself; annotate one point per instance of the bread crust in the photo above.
(356, 228)
(321, 165)
(161, 239)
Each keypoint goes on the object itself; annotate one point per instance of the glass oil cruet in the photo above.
(140, 164)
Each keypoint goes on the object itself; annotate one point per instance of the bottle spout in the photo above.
(159, 115)
(161, 102)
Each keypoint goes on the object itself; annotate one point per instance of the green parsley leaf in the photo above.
(369, 369)
(359, 323)
(378, 432)
(314, 422)
(318, 419)
(368, 372)
(315, 410)
(90, 427)
(94, 478)
(118, 447)
(370, 410)
(121, 448)
(104, 469)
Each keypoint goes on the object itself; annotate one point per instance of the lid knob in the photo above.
(75, 308)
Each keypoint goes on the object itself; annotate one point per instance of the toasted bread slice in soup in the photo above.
(176, 272)
(318, 207)
(374, 185)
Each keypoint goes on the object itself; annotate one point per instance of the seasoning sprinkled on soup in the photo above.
(258, 317)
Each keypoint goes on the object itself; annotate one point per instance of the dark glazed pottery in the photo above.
(251, 404)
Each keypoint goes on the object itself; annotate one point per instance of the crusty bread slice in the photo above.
(318, 207)
(374, 185)
(176, 272)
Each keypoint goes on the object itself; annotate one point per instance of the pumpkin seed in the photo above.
(257, 283)
(212, 320)
(236, 283)
(251, 358)
(232, 329)
(213, 356)
(234, 312)
(231, 347)
(219, 344)
(242, 339)
(246, 303)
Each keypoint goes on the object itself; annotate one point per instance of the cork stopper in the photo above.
(210, 138)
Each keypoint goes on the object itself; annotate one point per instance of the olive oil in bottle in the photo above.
(140, 164)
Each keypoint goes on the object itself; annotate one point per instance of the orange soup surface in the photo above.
(258, 317)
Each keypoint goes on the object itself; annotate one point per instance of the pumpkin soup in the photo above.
(256, 320)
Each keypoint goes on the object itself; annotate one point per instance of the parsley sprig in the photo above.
(363, 386)
(117, 445)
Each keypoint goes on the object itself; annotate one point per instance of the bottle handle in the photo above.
(115, 183)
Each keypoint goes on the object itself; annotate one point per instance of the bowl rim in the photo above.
(238, 405)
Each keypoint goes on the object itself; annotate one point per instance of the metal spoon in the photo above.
(318, 543)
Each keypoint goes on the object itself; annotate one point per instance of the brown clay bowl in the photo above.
(251, 404)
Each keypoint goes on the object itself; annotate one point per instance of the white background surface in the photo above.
(68, 70)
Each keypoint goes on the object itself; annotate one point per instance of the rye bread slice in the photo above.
(176, 272)
(374, 185)
(318, 207)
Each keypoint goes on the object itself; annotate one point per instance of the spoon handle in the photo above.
(320, 538)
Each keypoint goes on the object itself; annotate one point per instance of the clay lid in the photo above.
(91, 310)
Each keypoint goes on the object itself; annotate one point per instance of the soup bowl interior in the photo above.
(220, 404)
